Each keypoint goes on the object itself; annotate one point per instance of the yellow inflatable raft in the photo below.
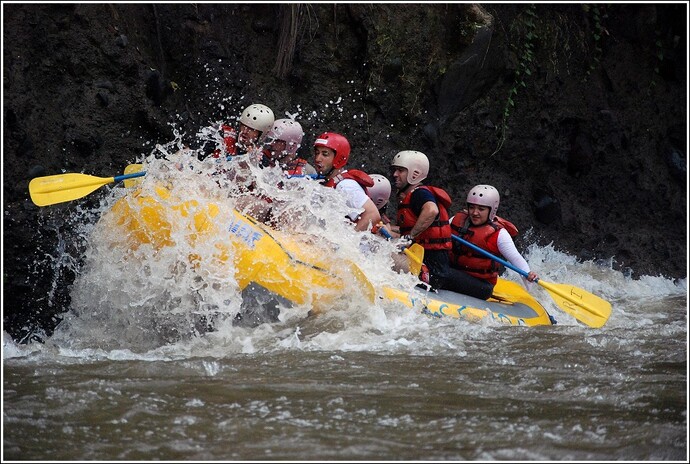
(510, 304)
(259, 255)
(287, 267)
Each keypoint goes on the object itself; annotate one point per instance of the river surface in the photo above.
(409, 387)
(123, 377)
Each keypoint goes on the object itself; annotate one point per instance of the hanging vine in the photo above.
(526, 27)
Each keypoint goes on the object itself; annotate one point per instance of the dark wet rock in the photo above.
(104, 85)
(103, 98)
(581, 155)
(468, 78)
(121, 41)
(37, 171)
(26, 147)
(547, 209)
(677, 163)
(155, 87)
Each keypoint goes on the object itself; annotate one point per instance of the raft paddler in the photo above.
(481, 226)
(331, 153)
(422, 215)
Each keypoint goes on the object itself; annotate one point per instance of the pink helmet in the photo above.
(337, 143)
(485, 195)
(380, 192)
(287, 130)
(416, 163)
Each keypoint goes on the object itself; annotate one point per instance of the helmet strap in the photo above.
(328, 174)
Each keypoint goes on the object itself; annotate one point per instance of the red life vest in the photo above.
(486, 237)
(230, 141)
(292, 169)
(437, 235)
(361, 177)
(295, 167)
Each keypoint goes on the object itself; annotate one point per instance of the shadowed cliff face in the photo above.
(576, 113)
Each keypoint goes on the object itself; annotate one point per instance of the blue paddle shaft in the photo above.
(311, 176)
(385, 233)
(129, 176)
(143, 173)
(495, 258)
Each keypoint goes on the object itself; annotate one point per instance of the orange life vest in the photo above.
(361, 177)
(486, 237)
(295, 167)
(229, 140)
(437, 235)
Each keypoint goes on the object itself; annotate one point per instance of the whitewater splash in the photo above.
(152, 294)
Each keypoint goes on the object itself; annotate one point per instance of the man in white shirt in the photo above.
(331, 152)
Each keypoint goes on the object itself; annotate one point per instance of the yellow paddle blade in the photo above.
(364, 283)
(416, 254)
(584, 306)
(59, 188)
(129, 170)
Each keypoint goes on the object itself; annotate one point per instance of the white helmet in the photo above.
(287, 130)
(416, 163)
(257, 117)
(380, 192)
(485, 195)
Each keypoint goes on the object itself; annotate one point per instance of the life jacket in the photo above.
(486, 237)
(295, 167)
(437, 235)
(361, 177)
(229, 141)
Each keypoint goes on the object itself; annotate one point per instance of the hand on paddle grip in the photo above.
(404, 242)
(380, 228)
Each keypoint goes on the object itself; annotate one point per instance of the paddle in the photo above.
(363, 281)
(415, 252)
(584, 306)
(311, 176)
(130, 169)
(59, 188)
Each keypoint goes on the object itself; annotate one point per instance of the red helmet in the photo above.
(337, 143)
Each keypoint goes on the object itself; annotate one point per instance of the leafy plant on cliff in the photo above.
(525, 27)
(597, 14)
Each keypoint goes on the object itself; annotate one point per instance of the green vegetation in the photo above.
(598, 15)
(553, 31)
(526, 27)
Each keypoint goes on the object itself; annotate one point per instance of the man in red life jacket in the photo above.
(331, 153)
(422, 214)
(279, 148)
(479, 225)
(280, 145)
(255, 120)
(423, 217)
